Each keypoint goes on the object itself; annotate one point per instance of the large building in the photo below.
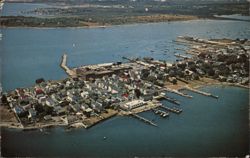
(133, 104)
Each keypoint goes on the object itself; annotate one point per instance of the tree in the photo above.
(39, 108)
(137, 93)
(4, 100)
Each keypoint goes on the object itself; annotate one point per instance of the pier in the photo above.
(174, 110)
(201, 92)
(161, 113)
(169, 99)
(70, 72)
(172, 100)
(177, 92)
(144, 119)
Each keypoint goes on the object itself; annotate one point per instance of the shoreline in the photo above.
(14, 125)
(135, 21)
(128, 23)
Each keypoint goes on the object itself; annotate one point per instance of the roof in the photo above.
(88, 110)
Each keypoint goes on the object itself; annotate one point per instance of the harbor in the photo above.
(94, 93)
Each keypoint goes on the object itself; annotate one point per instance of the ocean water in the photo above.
(206, 127)
(31, 53)
(20, 9)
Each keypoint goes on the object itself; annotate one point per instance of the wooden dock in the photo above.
(177, 92)
(144, 119)
(201, 92)
(169, 99)
(172, 100)
(174, 110)
(163, 114)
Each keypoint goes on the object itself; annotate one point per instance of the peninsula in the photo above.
(93, 93)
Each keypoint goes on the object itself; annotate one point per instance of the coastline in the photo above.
(131, 20)
(14, 125)
(126, 24)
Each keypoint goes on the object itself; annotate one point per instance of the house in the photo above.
(19, 110)
(39, 92)
(71, 97)
(49, 102)
(60, 111)
(47, 117)
(55, 97)
(42, 100)
(75, 107)
(32, 114)
(88, 112)
(84, 94)
(147, 97)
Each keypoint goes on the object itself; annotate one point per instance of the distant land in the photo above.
(91, 13)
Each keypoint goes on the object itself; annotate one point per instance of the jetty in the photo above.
(144, 119)
(70, 72)
(174, 110)
(200, 92)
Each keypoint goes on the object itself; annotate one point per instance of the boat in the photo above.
(165, 115)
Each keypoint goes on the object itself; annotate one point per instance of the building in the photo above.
(133, 104)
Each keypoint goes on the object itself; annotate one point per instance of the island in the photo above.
(94, 93)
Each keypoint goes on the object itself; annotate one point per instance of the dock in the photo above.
(144, 119)
(177, 92)
(70, 72)
(163, 114)
(169, 99)
(201, 92)
(174, 110)
(172, 100)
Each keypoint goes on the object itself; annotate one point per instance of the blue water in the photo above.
(20, 9)
(31, 53)
(207, 127)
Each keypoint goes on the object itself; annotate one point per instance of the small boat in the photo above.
(165, 115)
(104, 138)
